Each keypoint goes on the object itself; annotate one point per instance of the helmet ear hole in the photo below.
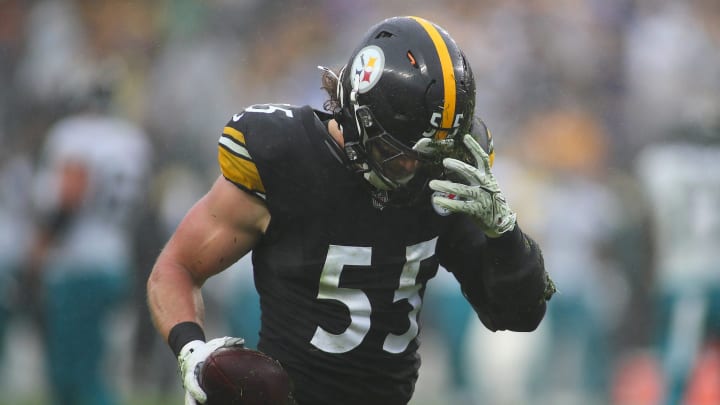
(383, 34)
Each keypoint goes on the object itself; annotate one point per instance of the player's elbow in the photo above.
(166, 278)
(155, 285)
(527, 320)
(153, 281)
(518, 320)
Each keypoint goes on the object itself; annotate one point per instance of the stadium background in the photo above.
(573, 91)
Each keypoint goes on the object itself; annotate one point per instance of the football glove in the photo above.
(475, 192)
(191, 358)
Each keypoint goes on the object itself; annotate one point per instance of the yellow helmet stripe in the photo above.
(448, 115)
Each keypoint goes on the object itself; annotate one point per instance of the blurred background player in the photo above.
(90, 189)
(576, 214)
(681, 180)
(555, 171)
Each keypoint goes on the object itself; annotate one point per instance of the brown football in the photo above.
(241, 376)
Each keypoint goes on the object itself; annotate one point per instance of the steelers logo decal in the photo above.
(368, 67)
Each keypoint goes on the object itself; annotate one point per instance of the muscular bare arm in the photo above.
(218, 230)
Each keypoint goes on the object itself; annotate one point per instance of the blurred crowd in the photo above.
(606, 123)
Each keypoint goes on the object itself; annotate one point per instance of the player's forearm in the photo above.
(516, 268)
(516, 282)
(173, 297)
(503, 278)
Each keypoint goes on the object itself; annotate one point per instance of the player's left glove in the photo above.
(476, 193)
(190, 360)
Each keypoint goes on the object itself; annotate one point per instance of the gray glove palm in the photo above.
(477, 194)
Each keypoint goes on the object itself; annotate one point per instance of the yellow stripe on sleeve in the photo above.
(235, 134)
(236, 163)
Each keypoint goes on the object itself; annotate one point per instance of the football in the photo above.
(241, 376)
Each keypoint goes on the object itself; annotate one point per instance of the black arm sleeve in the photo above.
(504, 279)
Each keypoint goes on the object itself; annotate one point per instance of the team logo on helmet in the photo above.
(367, 67)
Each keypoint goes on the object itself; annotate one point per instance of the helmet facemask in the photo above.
(389, 160)
(384, 161)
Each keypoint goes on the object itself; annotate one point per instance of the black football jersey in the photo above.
(341, 281)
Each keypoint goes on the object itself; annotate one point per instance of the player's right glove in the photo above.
(191, 358)
(476, 193)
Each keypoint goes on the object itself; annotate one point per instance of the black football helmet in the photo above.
(406, 84)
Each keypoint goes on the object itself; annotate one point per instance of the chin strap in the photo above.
(376, 181)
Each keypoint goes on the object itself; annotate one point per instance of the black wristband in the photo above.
(183, 333)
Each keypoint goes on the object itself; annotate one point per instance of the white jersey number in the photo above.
(271, 108)
(358, 303)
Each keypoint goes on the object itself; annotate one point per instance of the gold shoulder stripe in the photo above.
(233, 146)
(236, 164)
(448, 116)
(235, 134)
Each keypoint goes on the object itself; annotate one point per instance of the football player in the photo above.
(348, 215)
(90, 186)
(680, 177)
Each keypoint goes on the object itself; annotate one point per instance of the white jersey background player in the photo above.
(90, 187)
(681, 179)
(115, 156)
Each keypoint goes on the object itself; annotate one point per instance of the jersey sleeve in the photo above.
(236, 164)
(504, 279)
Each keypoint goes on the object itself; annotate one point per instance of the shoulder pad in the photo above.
(256, 121)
